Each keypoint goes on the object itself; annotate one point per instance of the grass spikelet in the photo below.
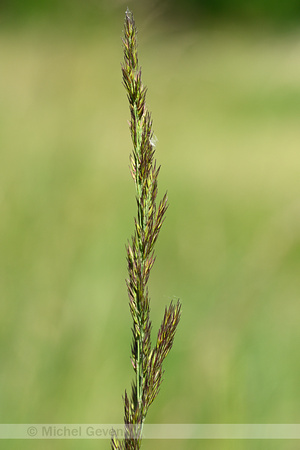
(147, 362)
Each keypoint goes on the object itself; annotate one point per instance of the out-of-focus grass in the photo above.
(226, 113)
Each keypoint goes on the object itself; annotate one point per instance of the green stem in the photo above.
(142, 225)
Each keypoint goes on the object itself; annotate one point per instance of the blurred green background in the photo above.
(224, 90)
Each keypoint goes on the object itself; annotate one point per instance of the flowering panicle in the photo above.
(146, 361)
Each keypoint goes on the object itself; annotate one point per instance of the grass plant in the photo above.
(147, 362)
(227, 118)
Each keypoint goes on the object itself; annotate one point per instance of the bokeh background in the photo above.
(224, 89)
